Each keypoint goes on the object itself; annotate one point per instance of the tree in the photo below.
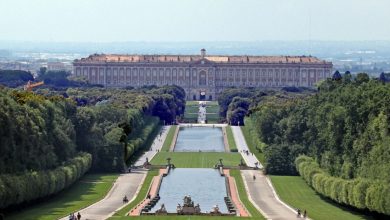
(336, 76)
(362, 78)
(42, 71)
(382, 77)
(347, 77)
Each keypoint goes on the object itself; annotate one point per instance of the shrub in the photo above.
(28, 186)
(359, 193)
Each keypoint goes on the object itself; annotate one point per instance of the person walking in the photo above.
(78, 216)
(298, 213)
(304, 214)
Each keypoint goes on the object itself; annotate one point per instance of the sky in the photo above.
(193, 20)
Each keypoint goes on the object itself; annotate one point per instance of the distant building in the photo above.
(58, 66)
(202, 76)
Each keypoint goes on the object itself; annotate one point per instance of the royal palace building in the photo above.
(202, 76)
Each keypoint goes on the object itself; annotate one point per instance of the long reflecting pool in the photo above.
(205, 139)
(205, 186)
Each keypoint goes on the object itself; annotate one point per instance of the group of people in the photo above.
(246, 152)
(299, 214)
(72, 216)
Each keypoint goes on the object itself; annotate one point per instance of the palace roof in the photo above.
(117, 58)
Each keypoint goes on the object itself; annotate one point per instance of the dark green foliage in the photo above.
(280, 158)
(56, 78)
(382, 77)
(360, 193)
(14, 78)
(42, 132)
(344, 127)
(35, 133)
(237, 110)
(227, 96)
(27, 186)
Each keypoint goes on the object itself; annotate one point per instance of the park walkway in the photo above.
(153, 192)
(155, 148)
(263, 195)
(260, 190)
(249, 158)
(126, 185)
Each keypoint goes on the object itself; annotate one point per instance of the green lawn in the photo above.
(197, 160)
(192, 108)
(230, 137)
(294, 191)
(212, 109)
(90, 189)
(249, 141)
(141, 195)
(169, 138)
(212, 103)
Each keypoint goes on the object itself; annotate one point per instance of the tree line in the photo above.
(344, 127)
(43, 132)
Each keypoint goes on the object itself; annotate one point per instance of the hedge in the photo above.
(19, 188)
(373, 195)
(141, 138)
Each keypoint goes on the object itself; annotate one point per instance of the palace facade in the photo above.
(202, 76)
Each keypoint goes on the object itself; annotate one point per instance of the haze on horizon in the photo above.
(193, 20)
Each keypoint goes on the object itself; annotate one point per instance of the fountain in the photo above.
(188, 207)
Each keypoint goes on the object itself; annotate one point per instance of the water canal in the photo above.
(204, 139)
(205, 186)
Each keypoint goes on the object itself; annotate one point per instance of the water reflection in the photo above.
(205, 139)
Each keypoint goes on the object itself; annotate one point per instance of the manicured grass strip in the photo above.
(197, 160)
(212, 109)
(212, 103)
(230, 137)
(294, 191)
(249, 141)
(243, 195)
(141, 195)
(169, 138)
(90, 189)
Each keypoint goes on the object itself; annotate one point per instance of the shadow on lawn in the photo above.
(60, 204)
(365, 214)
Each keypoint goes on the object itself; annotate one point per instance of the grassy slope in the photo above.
(294, 191)
(195, 159)
(249, 141)
(191, 112)
(230, 137)
(212, 112)
(90, 189)
(169, 139)
(141, 195)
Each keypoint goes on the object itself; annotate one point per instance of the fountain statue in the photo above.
(161, 210)
(146, 162)
(188, 207)
(215, 210)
